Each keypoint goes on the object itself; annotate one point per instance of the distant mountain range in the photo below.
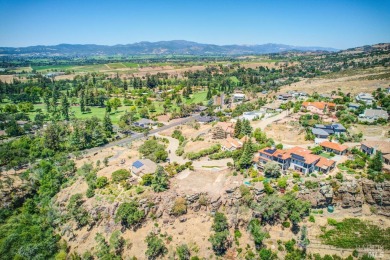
(177, 47)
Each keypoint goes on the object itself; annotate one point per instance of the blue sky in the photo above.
(338, 24)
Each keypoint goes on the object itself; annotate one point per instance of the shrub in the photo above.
(204, 152)
(183, 252)
(296, 175)
(332, 222)
(147, 179)
(156, 246)
(312, 219)
(101, 182)
(90, 193)
(311, 184)
(339, 176)
(282, 183)
(120, 175)
(268, 188)
(129, 215)
(203, 200)
(286, 224)
(179, 206)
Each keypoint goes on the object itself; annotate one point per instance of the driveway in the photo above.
(172, 147)
(267, 121)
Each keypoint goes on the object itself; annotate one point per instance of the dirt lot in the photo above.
(286, 134)
(371, 132)
(212, 182)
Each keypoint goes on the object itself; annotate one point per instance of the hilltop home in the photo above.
(371, 147)
(374, 114)
(323, 131)
(334, 147)
(366, 98)
(296, 158)
(228, 127)
(230, 144)
(142, 167)
(318, 107)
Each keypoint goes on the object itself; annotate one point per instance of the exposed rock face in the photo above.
(319, 198)
(378, 195)
(349, 194)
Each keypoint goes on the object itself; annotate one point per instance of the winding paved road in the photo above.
(142, 135)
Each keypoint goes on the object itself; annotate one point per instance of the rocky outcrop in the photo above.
(318, 198)
(349, 195)
(377, 195)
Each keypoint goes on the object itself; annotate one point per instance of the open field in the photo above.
(352, 82)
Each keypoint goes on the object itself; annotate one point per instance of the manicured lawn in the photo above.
(326, 155)
(197, 97)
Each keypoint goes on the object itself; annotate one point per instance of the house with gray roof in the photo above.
(371, 115)
(144, 123)
(367, 98)
(354, 106)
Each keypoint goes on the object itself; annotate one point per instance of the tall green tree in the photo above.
(82, 101)
(237, 128)
(160, 181)
(65, 107)
(376, 162)
(246, 156)
(107, 124)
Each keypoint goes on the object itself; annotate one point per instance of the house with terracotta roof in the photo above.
(318, 107)
(296, 158)
(334, 147)
(224, 129)
(231, 144)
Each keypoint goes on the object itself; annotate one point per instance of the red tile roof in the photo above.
(334, 146)
(324, 162)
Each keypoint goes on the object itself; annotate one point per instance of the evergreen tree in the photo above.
(246, 128)
(65, 107)
(209, 95)
(107, 124)
(82, 102)
(237, 128)
(246, 157)
(376, 163)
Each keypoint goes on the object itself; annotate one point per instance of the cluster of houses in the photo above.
(291, 95)
(296, 158)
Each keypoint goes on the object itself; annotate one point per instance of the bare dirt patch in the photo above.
(371, 132)
(286, 134)
(212, 182)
